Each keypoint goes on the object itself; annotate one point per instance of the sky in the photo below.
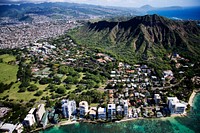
(120, 3)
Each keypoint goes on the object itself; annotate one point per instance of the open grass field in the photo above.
(6, 58)
(8, 73)
(25, 96)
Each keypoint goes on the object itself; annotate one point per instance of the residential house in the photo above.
(157, 98)
(167, 73)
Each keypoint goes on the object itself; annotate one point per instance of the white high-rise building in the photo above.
(83, 107)
(40, 112)
(101, 113)
(175, 106)
(125, 107)
(68, 108)
(111, 110)
(29, 120)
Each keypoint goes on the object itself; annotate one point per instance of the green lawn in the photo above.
(25, 96)
(6, 58)
(8, 73)
(94, 104)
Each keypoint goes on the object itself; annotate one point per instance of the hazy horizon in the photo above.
(117, 3)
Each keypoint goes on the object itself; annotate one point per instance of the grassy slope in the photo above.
(124, 51)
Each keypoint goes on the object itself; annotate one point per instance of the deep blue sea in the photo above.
(189, 124)
(185, 13)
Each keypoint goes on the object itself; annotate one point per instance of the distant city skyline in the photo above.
(119, 3)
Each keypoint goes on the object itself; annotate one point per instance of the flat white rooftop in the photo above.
(8, 127)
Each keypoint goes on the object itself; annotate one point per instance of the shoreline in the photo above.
(192, 96)
(190, 102)
(66, 123)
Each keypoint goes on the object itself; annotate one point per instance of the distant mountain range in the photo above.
(143, 37)
(147, 8)
(74, 10)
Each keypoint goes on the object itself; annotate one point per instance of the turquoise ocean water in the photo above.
(189, 124)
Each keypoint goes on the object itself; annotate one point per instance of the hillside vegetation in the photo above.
(146, 39)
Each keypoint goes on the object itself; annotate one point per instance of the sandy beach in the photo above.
(191, 99)
(66, 123)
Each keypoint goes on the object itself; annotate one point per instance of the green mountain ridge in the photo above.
(75, 10)
(143, 37)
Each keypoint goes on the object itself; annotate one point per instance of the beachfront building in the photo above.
(83, 107)
(68, 108)
(119, 110)
(10, 128)
(44, 120)
(101, 113)
(93, 112)
(130, 113)
(7, 128)
(157, 98)
(19, 128)
(125, 107)
(111, 110)
(175, 106)
(40, 112)
(29, 120)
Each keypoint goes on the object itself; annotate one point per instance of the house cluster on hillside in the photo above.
(133, 84)
(181, 63)
(133, 77)
(103, 58)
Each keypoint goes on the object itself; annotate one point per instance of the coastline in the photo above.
(192, 96)
(190, 102)
(66, 123)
